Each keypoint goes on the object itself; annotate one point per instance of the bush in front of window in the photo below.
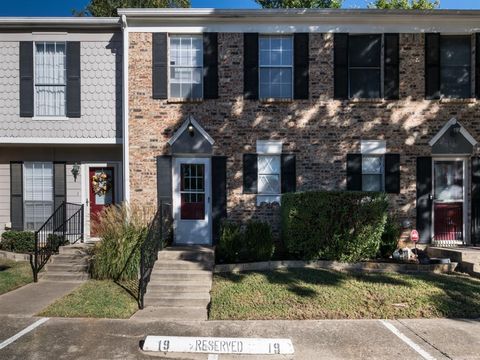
(342, 226)
(18, 241)
(259, 241)
(230, 245)
(390, 237)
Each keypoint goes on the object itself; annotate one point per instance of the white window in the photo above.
(276, 67)
(186, 66)
(269, 174)
(38, 193)
(50, 78)
(372, 173)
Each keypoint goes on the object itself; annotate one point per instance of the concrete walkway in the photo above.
(30, 299)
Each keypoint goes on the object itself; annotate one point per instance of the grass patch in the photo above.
(14, 274)
(321, 294)
(94, 299)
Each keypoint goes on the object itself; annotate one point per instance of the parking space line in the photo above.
(407, 341)
(23, 332)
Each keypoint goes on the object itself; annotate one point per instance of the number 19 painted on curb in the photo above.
(214, 345)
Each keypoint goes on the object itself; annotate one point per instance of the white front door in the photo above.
(191, 201)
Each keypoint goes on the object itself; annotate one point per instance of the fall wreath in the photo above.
(101, 183)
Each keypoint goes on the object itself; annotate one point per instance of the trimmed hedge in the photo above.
(18, 241)
(342, 226)
(390, 237)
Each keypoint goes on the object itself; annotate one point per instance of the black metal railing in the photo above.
(159, 234)
(64, 226)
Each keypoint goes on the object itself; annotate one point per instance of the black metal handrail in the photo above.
(159, 234)
(64, 226)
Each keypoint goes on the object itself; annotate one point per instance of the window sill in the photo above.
(50, 118)
(458, 101)
(183, 101)
(367, 101)
(276, 101)
(268, 199)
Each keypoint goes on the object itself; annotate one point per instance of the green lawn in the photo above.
(14, 274)
(94, 299)
(320, 294)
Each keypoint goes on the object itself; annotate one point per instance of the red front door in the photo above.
(101, 181)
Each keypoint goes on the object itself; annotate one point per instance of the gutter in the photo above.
(125, 109)
(60, 22)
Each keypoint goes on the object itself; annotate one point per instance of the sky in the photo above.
(65, 7)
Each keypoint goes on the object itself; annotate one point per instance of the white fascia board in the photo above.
(196, 125)
(59, 22)
(60, 141)
(447, 126)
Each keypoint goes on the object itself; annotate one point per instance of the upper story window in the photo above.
(455, 66)
(276, 67)
(186, 66)
(364, 66)
(50, 79)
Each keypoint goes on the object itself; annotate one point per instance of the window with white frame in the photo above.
(50, 78)
(186, 66)
(372, 173)
(269, 174)
(276, 67)
(38, 193)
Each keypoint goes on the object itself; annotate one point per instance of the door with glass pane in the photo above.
(101, 193)
(448, 199)
(191, 201)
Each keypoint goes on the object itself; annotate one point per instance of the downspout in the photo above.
(126, 158)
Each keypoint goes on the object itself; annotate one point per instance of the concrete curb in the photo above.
(338, 266)
(14, 256)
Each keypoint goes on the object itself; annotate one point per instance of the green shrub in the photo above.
(258, 241)
(18, 241)
(343, 226)
(230, 245)
(122, 230)
(56, 241)
(391, 235)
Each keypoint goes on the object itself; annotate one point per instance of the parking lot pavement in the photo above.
(329, 339)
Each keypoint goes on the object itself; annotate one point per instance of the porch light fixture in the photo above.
(75, 171)
(191, 129)
(455, 129)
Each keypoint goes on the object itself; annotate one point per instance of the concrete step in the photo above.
(182, 265)
(75, 249)
(196, 275)
(169, 302)
(159, 287)
(194, 253)
(52, 267)
(70, 259)
(154, 313)
(178, 295)
(64, 276)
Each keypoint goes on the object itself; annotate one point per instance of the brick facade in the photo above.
(320, 131)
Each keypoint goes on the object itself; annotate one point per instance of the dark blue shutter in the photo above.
(16, 195)
(26, 79)
(424, 201)
(340, 63)
(301, 65)
(73, 80)
(164, 179)
(59, 183)
(432, 66)
(289, 175)
(210, 65)
(159, 66)
(354, 172)
(392, 173)
(219, 194)
(391, 68)
(476, 200)
(250, 66)
(250, 173)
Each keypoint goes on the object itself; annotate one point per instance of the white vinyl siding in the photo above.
(276, 67)
(186, 66)
(50, 78)
(38, 193)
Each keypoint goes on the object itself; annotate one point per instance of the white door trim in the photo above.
(176, 196)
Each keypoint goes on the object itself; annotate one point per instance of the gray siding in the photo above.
(4, 195)
(74, 186)
(101, 91)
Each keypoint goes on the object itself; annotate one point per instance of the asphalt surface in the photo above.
(329, 339)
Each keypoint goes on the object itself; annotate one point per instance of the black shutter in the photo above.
(354, 172)
(16, 195)
(219, 194)
(432, 66)
(392, 173)
(476, 200)
(340, 63)
(26, 79)
(59, 184)
(74, 105)
(250, 174)
(477, 65)
(289, 174)
(210, 65)
(392, 71)
(250, 66)
(301, 62)
(159, 66)
(424, 202)
(164, 179)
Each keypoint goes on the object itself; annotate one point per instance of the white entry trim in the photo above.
(447, 126)
(190, 120)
